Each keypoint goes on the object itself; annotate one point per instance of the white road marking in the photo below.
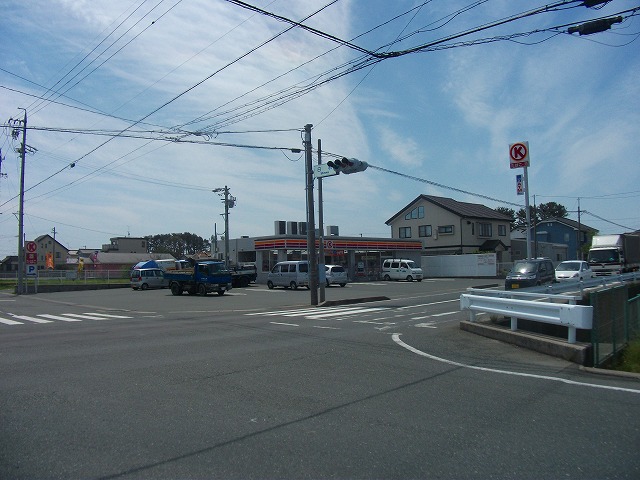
(396, 338)
(58, 317)
(30, 319)
(6, 321)
(429, 304)
(443, 314)
(84, 316)
(107, 315)
(286, 324)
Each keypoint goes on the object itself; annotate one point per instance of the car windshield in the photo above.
(568, 267)
(603, 256)
(524, 267)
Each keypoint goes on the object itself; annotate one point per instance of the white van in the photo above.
(291, 274)
(401, 269)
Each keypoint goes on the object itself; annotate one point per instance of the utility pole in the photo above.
(320, 225)
(53, 252)
(23, 153)
(311, 221)
(229, 202)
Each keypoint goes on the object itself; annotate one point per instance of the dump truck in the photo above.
(201, 278)
(614, 254)
(243, 274)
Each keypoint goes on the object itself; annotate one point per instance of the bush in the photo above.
(630, 361)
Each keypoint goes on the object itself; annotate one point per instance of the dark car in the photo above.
(530, 273)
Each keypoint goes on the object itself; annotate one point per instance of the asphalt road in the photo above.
(258, 384)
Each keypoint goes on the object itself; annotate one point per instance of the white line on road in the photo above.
(6, 321)
(396, 338)
(58, 317)
(287, 324)
(30, 319)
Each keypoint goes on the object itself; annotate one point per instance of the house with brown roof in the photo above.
(446, 226)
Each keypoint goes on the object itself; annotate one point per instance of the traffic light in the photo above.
(348, 165)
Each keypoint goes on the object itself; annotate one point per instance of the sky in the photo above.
(138, 109)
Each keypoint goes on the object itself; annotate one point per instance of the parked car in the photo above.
(291, 274)
(576, 270)
(530, 273)
(335, 274)
(401, 269)
(144, 278)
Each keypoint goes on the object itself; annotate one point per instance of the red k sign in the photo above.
(519, 154)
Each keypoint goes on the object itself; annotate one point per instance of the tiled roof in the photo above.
(462, 209)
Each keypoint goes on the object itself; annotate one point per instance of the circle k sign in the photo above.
(519, 154)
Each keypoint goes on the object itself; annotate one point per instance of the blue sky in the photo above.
(197, 70)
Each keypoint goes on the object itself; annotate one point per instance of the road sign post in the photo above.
(519, 158)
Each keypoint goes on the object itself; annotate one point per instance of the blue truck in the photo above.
(201, 278)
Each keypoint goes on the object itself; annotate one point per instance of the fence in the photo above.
(553, 309)
(59, 277)
(616, 321)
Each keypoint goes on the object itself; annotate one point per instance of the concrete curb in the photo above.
(350, 301)
(579, 353)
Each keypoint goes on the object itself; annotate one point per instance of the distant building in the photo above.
(9, 264)
(446, 226)
(48, 246)
(563, 231)
(127, 245)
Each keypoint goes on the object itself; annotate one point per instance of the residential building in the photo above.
(49, 247)
(446, 226)
(126, 245)
(563, 231)
(9, 264)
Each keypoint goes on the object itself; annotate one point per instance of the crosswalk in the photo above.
(319, 314)
(13, 319)
(380, 318)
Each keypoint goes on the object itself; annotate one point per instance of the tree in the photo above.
(509, 212)
(551, 210)
(539, 213)
(179, 245)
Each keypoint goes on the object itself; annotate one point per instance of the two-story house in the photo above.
(446, 226)
(564, 231)
(49, 247)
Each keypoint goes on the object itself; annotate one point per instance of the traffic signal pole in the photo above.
(311, 221)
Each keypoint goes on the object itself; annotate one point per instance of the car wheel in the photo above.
(144, 286)
(221, 292)
(419, 279)
(202, 289)
(409, 278)
(176, 289)
(342, 284)
(270, 285)
(293, 286)
(244, 282)
(386, 278)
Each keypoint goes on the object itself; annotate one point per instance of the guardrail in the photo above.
(569, 315)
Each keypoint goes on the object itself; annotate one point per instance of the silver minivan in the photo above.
(292, 274)
(144, 278)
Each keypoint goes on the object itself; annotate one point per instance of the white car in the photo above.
(573, 270)
(335, 274)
